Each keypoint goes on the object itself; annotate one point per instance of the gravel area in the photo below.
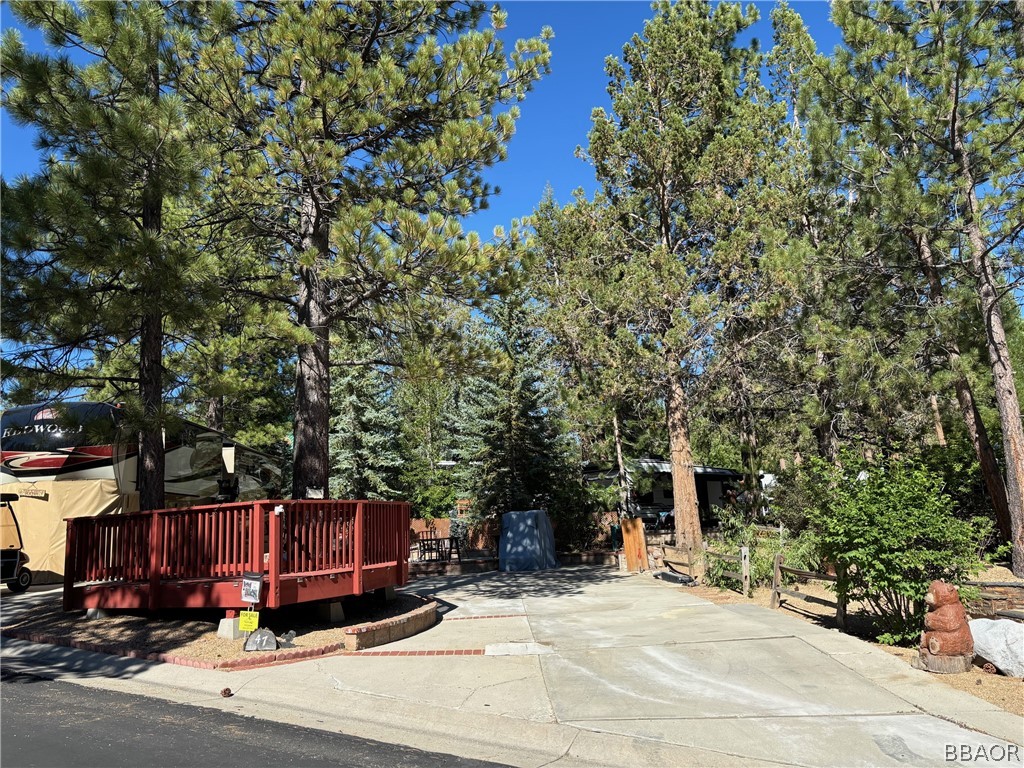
(193, 634)
(1005, 692)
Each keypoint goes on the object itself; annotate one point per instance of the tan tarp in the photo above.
(41, 511)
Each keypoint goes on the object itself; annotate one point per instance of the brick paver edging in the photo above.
(357, 638)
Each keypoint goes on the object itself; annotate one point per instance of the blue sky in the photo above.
(555, 116)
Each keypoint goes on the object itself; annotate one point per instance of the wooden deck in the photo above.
(195, 557)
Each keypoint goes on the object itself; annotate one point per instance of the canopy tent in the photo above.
(527, 542)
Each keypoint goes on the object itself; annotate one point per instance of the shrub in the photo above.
(889, 531)
(800, 551)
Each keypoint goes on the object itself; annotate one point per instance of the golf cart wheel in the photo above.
(21, 582)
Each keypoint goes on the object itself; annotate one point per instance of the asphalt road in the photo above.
(49, 723)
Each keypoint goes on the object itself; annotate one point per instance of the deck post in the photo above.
(357, 573)
(404, 514)
(69, 564)
(257, 521)
(156, 557)
(274, 585)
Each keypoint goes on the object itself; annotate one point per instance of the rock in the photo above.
(1001, 642)
(261, 640)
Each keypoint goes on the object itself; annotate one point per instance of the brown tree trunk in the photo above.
(151, 439)
(312, 391)
(1008, 404)
(151, 340)
(311, 453)
(684, 486)
(976, 431)
(940, 433)
(621, 465)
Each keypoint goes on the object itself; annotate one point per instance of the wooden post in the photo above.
(776, 580)
(840, 602)
(69, 563)
(156, 557)
(745, 569)
(689, 560)
(403, 549)
(357, 574)
(256, 519)
(274, 586)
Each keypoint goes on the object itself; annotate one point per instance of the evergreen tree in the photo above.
(514, 447)
(354, 135)
(426, 407)
(364, 433)
(685, 159)
(102, 250)
(930, 97)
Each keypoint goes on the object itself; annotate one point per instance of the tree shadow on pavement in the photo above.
(499, 585)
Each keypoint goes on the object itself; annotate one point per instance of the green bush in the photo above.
(889, 530)
(800, 551)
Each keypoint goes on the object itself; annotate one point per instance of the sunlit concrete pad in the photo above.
(509, 686)
(849, 741)
(598, 627)
(733, 679)
(517, 649)
(467, 633)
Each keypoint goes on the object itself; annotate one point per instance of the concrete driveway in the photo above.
(588, 666)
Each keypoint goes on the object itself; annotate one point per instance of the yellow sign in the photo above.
(248, 621)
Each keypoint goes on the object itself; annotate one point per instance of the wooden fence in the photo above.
(743, 574)
(682, 561)
(778, 590)
(196, 556)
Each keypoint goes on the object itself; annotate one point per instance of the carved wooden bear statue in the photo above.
(946, 643)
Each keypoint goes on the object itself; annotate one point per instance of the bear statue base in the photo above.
(943, 665)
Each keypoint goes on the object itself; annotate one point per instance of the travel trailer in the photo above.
(78, 459)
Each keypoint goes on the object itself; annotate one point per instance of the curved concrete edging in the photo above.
(357, 638)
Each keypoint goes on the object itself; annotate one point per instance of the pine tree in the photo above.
(514, 447)
(931, 96)
(683, 159)
(354, 135)
(364, 433)
(102, 251)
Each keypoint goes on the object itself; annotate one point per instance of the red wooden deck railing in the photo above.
(195, 557)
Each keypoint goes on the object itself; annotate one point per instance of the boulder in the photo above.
(1001, 642)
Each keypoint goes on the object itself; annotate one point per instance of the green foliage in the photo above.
(889, 532)
(364, 461)
(357, 145)
(801, 550)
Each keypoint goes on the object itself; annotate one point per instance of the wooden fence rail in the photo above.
(680, 559)
(196, 557)
(683, 561)
(743, 575)
(778, 590)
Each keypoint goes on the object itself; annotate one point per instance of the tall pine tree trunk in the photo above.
(976, 431)
(312, 390)
(151, 337)
(151, 440)
(684, 485)
(1008, 404)
(621, 466)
